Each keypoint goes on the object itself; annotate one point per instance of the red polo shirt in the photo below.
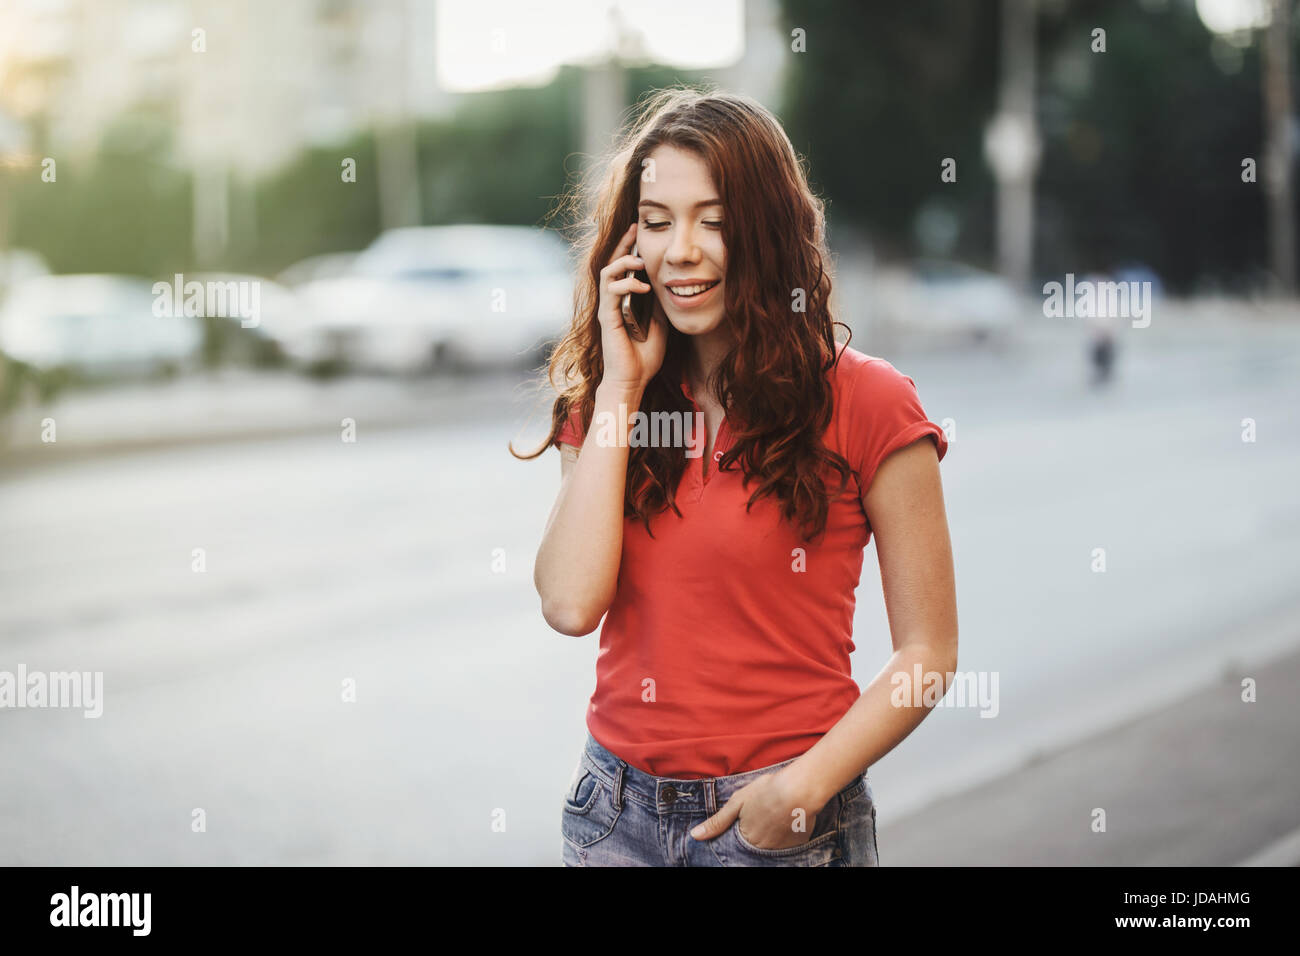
(726, 648)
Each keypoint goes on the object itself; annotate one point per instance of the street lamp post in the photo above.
(1012, 145)
(1280, 147)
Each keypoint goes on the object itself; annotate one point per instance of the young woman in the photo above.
(725, 727)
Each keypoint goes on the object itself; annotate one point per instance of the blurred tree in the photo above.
(307, 208)
(883, 94)
(1143, 147)
(126, 209)
(503, 156)
(1140, 142)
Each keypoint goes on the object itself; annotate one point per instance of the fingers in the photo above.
(621, 265)
(629, 284)
(618, 279)
(625, 244)
(622, 252)
(718, 823)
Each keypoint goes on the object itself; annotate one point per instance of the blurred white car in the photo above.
(947, 300)
(467, 296)
(19, 264)
(16, 265)
(97, 325)
(327, 265)
(251, 306)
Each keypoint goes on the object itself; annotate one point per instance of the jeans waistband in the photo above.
(673, 795)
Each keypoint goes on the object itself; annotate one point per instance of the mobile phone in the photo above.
(638, 307)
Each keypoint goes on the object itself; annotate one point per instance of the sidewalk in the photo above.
(1208, 781)
(238, 405)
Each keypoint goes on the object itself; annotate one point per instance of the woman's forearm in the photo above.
(872, 727)
(576, 572)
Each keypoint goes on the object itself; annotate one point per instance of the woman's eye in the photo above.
(713, 223)
(656, 224)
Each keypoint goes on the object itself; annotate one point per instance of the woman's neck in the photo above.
(705, 355)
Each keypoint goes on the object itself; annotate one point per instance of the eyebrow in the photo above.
(699, 205)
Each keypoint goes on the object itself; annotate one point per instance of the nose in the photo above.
(683, 249)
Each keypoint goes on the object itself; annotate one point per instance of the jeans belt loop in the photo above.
(618, 786)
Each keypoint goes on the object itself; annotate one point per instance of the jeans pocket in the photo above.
(582, 791)
(589, 813)
(858, 828)
(820, 849)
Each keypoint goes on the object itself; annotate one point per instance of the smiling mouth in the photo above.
(688, 291)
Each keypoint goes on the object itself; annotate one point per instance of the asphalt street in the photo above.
(400, 566)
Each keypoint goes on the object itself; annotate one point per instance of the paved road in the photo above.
(1211, 780)
(372, 562)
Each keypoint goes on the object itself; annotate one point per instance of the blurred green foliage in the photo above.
(504, 157)
(126, 210)
(1142, 144)
(882, 95)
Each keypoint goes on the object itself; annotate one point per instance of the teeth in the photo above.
(690, 290)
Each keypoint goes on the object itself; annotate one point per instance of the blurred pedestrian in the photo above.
(1100, 324)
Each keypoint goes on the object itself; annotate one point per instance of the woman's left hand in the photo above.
(769, 812)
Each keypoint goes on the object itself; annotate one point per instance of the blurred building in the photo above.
(748, 56)
(240, 83)
(263, 80)
(231, 91)
(760, 71)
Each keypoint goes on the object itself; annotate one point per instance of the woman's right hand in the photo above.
(629, 365)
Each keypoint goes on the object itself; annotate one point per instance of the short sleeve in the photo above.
(884, 414)
(571, 432)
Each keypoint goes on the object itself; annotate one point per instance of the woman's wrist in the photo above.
(802, 788)
(615, 404)
(614, 394)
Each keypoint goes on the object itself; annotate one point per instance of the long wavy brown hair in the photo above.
(773, 381)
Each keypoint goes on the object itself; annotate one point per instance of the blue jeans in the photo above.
(617, 815)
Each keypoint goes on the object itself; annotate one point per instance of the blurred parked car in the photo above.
(95, 325)
(17, 265)
(946, 300)
(467, 296)
(250, 320)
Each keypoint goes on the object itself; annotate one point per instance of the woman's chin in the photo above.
(692, 324)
